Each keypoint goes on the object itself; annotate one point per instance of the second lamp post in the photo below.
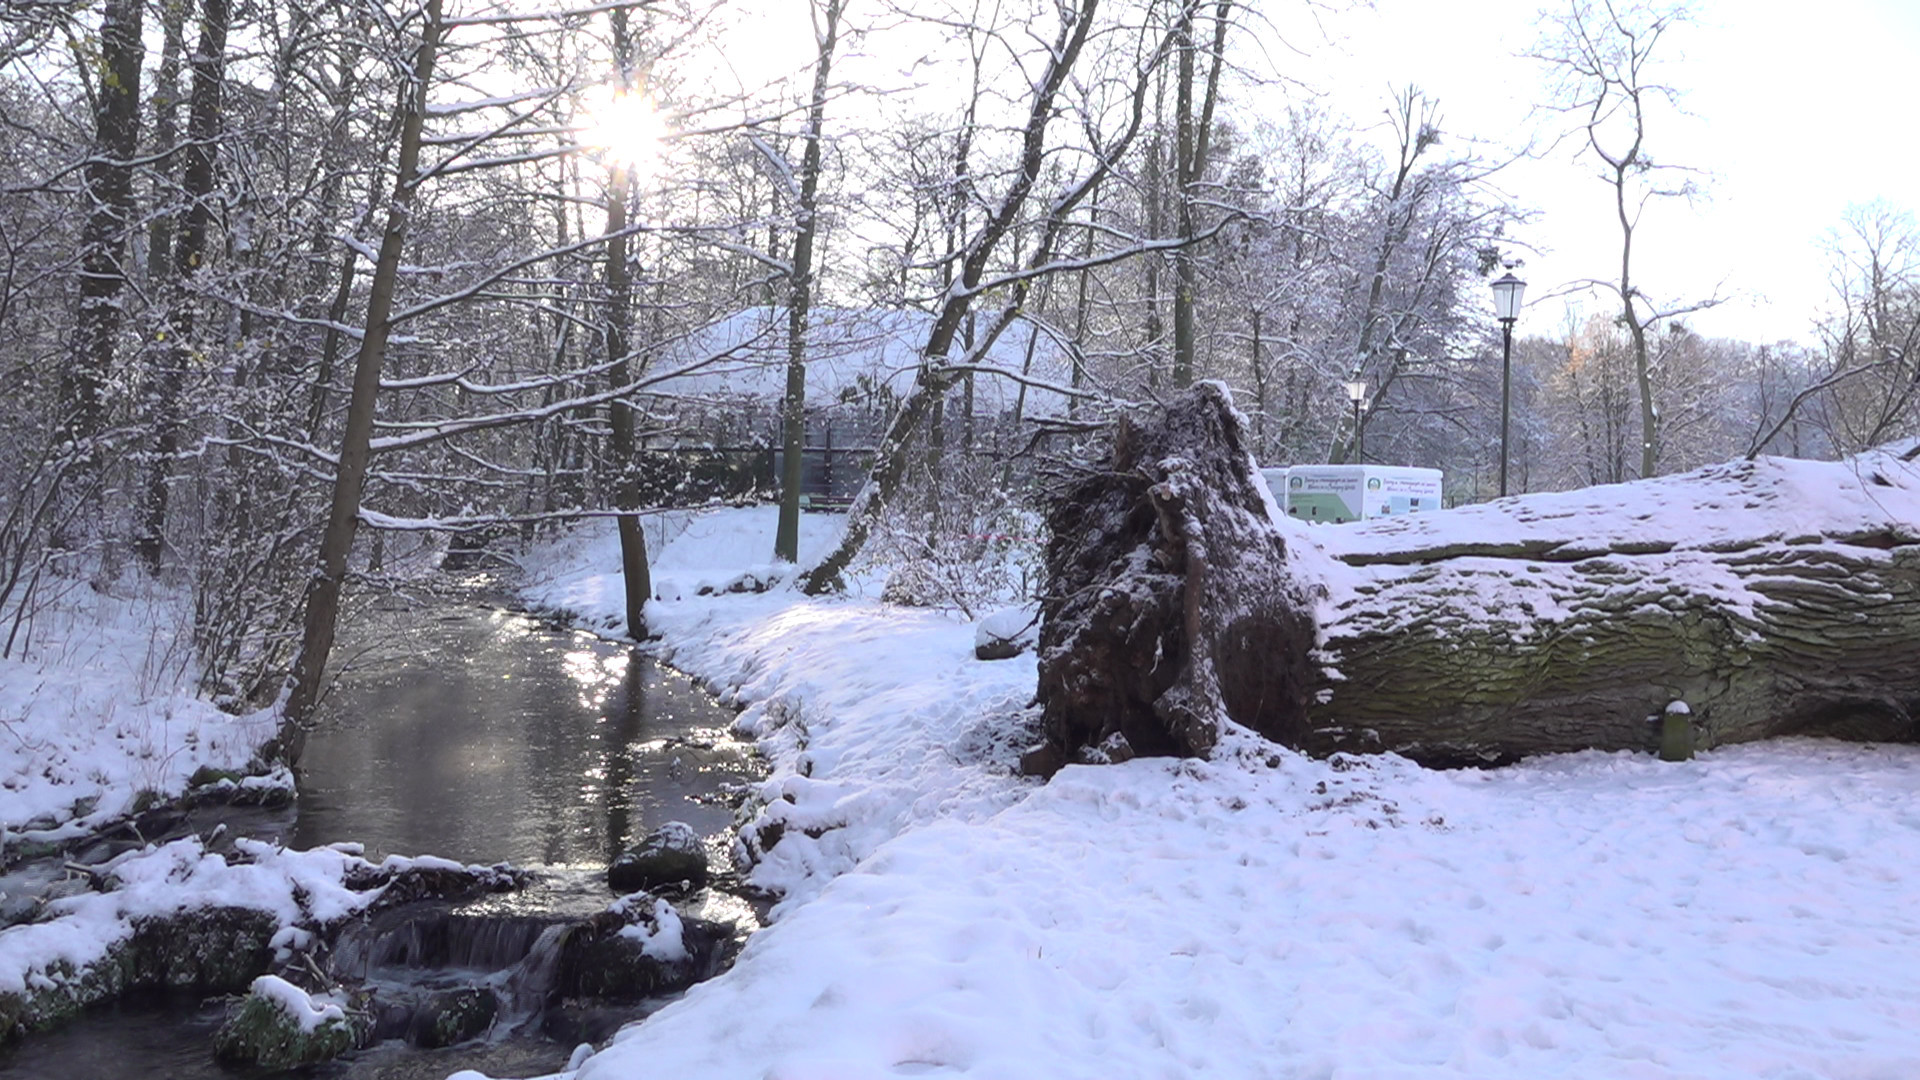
(1506, 306)
(1357, 394)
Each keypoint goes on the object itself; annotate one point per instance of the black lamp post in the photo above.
(1357, 393)
(1506, 306)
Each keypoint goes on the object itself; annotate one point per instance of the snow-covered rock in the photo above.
(1007, 633)
(671, 856)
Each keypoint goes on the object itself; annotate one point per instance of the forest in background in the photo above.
(279, 279)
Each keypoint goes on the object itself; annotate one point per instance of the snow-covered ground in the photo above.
(1263, 914)
(97, 705)
(1258, 915)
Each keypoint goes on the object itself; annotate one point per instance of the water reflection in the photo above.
(473, 734)
(483, 736)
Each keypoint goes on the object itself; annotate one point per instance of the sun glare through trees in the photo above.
(623, 127)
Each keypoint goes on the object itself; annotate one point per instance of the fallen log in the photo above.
(1754, 599)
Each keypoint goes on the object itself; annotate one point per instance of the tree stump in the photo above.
(1770, 597)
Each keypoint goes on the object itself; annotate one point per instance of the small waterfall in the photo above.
(426, 965)
(524, 989)
(417, 938)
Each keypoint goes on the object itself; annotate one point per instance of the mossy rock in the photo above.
(207, 774)
(600, 962)
(453, 1016)
(444, 883)
(212, 950)
(261, 1032)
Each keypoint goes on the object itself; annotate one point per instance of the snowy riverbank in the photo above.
(1261, 915)
(97, 705)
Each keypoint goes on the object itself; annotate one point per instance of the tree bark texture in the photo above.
(806, 218)
(1773, 597)
(635, 572)
(204, 123)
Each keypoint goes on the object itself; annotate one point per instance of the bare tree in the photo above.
(634, 571)
(188, 256)
(324, 589)
(1600, 57)
(108, 203)
(938, 369)
(1193, 145)
(804, 193)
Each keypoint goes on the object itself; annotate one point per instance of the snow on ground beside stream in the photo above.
(1596, 915)
(97, 704)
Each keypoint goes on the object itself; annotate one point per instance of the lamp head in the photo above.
(1507, 293)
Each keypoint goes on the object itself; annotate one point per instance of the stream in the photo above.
(463, 730)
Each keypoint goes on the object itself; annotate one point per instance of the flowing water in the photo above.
(462, 730)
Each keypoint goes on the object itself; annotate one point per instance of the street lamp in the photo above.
(1506, 307)
(1357, 393)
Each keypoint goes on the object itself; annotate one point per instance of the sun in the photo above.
(622, 125)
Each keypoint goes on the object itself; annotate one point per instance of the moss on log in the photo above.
(1811, 637)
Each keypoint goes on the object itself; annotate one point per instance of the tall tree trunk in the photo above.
(203, 135)
(166, 129)
(793, 406)
(1192, 143)
(333, 187)
(107, 201)
(1083, 305)
(1195, 145)
(634, 571)
(350, 476)
(1637, 330)
(1155, 196)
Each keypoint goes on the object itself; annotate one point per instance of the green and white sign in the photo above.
(1340, 493)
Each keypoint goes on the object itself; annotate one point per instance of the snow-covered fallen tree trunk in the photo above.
(1770, 597)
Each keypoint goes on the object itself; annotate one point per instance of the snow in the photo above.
(296, 1004)
(305, 887)
(1680, 527)
(1264, 914)
(1014, 626)
(662, 936)
(96, 705)
(1781, 499)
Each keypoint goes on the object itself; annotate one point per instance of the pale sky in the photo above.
(1798, 109)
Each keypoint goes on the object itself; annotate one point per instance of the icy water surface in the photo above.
(483, 735)
(465, 731)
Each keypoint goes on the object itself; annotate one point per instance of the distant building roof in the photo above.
(852, 354)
